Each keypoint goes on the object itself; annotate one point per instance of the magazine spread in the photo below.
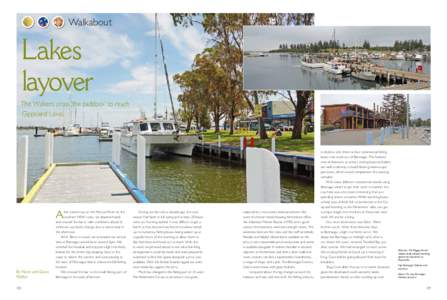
(280, 150)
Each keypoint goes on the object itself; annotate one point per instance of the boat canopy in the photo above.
(159, 126)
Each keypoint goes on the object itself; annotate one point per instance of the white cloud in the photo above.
(187, 40)
(126, 63)
(142, 82)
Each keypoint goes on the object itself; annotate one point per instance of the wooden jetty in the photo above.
(393, 75)
(298, 164)
(87, 182)
(83, 183)
(78, 182)
(408, 86)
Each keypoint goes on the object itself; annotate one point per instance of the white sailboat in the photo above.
(312, 64)
(73, 130)
(308, 62)
(160, 135)
(364, 75)
(398, 56)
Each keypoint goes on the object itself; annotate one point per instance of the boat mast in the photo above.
(155, 67)
(169, 86)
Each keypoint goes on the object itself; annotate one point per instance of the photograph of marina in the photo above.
(165, 120)
(375, 119)
(337, 58)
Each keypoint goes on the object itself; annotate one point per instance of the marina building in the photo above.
(283, 112)
(279, 113)
(353, 116)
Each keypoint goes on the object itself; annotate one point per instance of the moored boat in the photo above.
(105, 132)
(364, 75)
(73, 130)
(160, 136)
(311, 64)
(398, 56)
(333, 68)
(417, 57)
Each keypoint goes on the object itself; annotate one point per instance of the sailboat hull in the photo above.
(175, 144)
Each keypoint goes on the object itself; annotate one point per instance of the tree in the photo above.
(300, 103)
(366, 45)
(396, 107)
(226, 31)
(192, 99)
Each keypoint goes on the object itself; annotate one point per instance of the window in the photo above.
(168, 126)
(143, 126)
(155, 127)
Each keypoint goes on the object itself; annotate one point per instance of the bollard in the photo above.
(369, 137)
(245, 145)
(48, 150)
(22, 166)
(218, 145)
(382, 136)
(241, 146)
(252, 142)
(203, 143)
(402, 132)
(51, 159)
(273, 144)
(116, 148)
(141, 163)
(263, 177)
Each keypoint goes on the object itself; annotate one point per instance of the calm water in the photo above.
(169, 178)
(286, 72)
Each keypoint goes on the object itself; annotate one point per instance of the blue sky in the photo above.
(119, 57)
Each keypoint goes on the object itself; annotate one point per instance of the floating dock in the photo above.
(84, 183)
(298, 164)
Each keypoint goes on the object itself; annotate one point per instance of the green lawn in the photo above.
(283, 143)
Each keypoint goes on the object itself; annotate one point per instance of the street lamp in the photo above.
(408, 115)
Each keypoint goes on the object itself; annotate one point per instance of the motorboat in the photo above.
(160, 136)
(364, 75)
(312, 65)
(417, 57)
(398, 56)
(105, 133)
(73, 130)
(333, 68)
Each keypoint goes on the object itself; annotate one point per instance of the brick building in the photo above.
(353, 116)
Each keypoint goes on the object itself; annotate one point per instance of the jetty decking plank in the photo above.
(83, 184)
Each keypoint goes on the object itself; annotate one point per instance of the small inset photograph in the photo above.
(337, 58)
(375, 119)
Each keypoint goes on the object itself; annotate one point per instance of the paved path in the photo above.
(347, 137)
(83, 184)
(417, 136)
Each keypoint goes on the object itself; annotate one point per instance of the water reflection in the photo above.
(169, 178)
